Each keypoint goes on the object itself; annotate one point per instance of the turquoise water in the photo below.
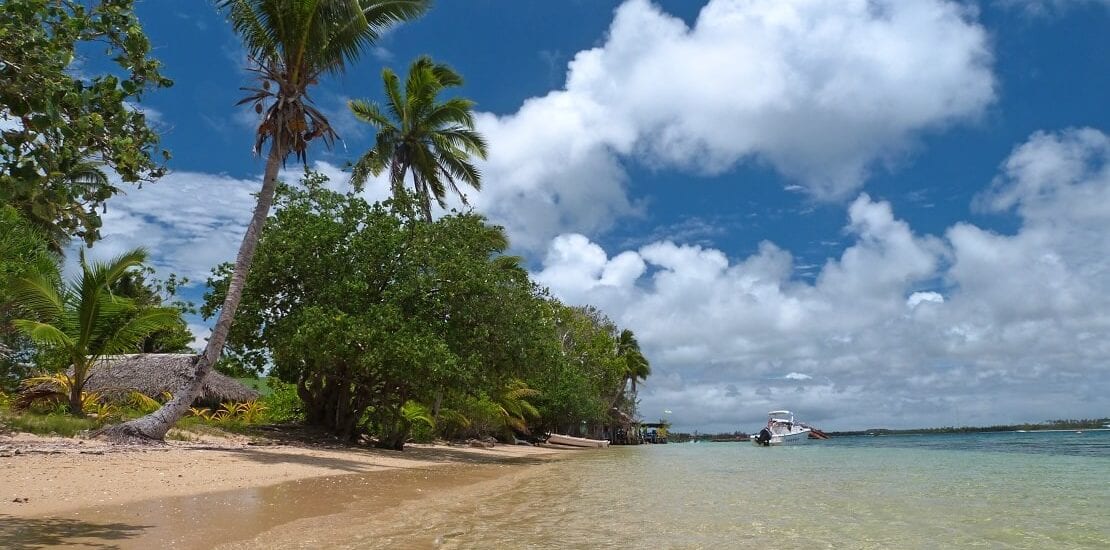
(1009, 490)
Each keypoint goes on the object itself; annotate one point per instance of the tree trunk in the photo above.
(437, 404)
(153, 427)
(75, 402)
(399, 430)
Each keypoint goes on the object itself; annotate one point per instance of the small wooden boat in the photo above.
(577, 441)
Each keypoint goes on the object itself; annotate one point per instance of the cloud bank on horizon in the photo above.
(826, 93)
(1021, 318)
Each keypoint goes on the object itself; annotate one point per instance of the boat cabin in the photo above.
(780, 421)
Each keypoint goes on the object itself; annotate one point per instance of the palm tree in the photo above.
(291, 44)
(84, 320)
(513, 406)
(429, 140)
(636, 366)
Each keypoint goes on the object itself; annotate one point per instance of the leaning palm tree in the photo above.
(291, 44)
(422, 138)
(84, 321)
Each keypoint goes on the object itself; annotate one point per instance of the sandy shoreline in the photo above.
(246, 494)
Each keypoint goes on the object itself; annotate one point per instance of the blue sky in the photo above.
(873, 213)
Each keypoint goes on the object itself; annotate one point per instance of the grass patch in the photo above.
(260, 385)
(47, 424)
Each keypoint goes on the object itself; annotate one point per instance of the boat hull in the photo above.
(795, 438)
(577, 441)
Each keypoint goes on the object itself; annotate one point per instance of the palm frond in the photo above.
(361, 23)
(260, 33)
(127, 336)
(39, 295)
(106, 273)
(416, 412)
(461, 169)
(370, 113)
(43, 334)
(455, 112)
(395, 99)
(87, 174)
(370, 164)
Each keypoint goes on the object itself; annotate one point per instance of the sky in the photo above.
(874, 213)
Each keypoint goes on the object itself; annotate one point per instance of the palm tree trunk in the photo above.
(153, 427)
(76, 407)
(77, 387)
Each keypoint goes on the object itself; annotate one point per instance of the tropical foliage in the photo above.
(426, 310)
(142, 287)
(425, 140)
(83, 320)
(291, 45)
(374, 321)
(24, 251)
(64, 129)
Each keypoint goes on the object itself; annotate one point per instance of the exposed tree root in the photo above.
(128, 433)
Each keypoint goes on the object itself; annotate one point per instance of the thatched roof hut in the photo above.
(116, 376)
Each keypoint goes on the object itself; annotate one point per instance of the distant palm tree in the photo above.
(291, 43)
(84, 320)
(636, 365)
(422, 138)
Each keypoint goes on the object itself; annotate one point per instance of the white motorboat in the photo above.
(558, 439)
(781, 429)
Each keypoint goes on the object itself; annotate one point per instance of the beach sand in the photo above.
(56, 491)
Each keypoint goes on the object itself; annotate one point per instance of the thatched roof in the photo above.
(115, 376)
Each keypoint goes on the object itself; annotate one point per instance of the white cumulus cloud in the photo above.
(822, 90)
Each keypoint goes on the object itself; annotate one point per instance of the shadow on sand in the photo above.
(28, 533)
(441, 454)
(417, 454)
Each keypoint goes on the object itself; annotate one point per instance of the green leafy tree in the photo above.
(582, 385)
(84, 320)
(24, 251)
(427, 140)
(61, 127)
(292, 44)
(365, 310)
(145, 290)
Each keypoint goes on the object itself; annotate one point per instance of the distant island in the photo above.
(1070, 424)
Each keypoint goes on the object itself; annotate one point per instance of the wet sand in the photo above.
(198, 496)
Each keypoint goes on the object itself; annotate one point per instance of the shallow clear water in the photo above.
(1009, 490)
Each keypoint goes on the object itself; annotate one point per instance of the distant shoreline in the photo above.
(1056, 426)
(1099, 424)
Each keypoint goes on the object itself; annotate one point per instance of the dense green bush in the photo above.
(282, 403)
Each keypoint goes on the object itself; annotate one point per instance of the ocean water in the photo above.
(1005, 490)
